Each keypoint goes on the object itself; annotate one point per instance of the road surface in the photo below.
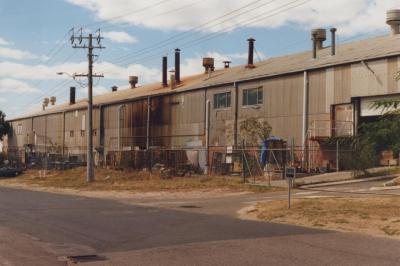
(45, 227)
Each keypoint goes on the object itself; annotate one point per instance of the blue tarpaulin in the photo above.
(264, 149)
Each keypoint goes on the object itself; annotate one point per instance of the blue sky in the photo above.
(34, 35)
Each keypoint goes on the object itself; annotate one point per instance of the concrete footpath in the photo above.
(335, 178)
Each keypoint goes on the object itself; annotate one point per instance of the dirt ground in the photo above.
(124, 181)
(378, 216)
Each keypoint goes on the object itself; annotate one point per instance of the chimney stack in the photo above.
(333, 39)
(250, 60)
(178, 66)
(226, 64)
(393, 20)
(114, 88)
(165, 71)
(72, 95)
(208, 64)
(133, 80)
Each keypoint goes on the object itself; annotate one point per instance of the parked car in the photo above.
(10, 171)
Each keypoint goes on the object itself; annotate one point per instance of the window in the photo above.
(253, 96)
(82, 133)
(71, 134)
(222, 100)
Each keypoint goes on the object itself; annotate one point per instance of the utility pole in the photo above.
(89, 75)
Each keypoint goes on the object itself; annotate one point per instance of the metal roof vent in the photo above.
(227, 64)
(208, 64)
(393, 19)
(319, 36)
(133, 80)
(53, 100)
(114, 88)
(45, 103)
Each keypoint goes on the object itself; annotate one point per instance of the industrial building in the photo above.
(306, 97)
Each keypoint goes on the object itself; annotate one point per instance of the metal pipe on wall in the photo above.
(148, 123)
(208, 103)
(235, 125)
(119, 126)
(305, 118)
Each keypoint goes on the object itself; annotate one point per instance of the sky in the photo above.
(35, 38)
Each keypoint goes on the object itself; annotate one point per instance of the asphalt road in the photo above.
(128, 234)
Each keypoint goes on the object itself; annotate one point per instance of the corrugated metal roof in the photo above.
(379, 47)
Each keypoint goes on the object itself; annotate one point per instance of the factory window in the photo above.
(82, 133)
(253, 96)
(71, 134)
(222, 100)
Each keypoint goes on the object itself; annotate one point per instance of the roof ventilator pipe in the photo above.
(72, 95)
(250, 60)
(114, 88)
(227, 64)
(53, 100)
(333, 40)
(208, 64)
(393, 19)
(133, 80)
(178, 66)
(165, 71)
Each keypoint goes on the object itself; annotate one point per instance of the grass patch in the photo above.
(135, 181)
(372, 215)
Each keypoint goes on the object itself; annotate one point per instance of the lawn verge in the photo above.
(377, 216)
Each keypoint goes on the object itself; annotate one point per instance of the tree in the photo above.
(253, 131)
(4, 125)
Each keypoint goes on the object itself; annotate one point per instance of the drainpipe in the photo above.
(63, 136)
(207, 122)
(305, 119)
(148, 123)
(119, 126)
(235, 125)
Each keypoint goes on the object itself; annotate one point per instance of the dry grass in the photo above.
(373, 215)
(112, 180)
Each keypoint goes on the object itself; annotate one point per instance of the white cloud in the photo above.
(97, 90)
(16, 54)
(351, 17)
(119, 37)
(2, 100)
(4, 42)
(44, 72)
(15, 86)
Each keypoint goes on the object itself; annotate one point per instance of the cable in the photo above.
(175, 38)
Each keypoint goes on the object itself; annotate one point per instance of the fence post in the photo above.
(243, 164)
(337, 156)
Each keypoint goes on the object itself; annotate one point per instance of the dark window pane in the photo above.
(245, 97)
(252, 97)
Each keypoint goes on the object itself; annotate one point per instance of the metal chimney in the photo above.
(319, 36)
(133, 80)
(72, 95)
(250, 60)
(208, 64)
(226, 64)
(53, 100)
(114, 88)
(178, 66)
(314, 49)
(393, 19)
(333, 39)
(165, 71)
